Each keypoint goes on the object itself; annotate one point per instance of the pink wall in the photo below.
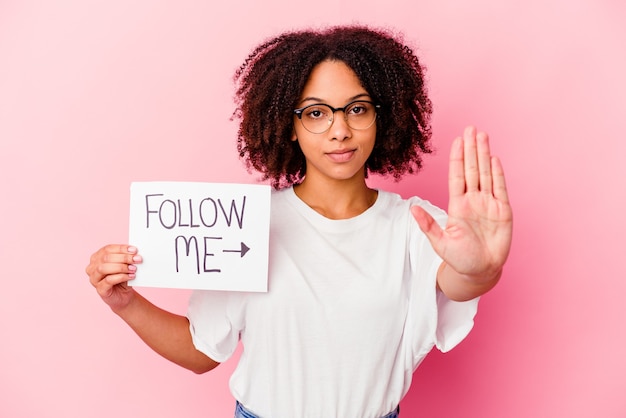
(95, 94)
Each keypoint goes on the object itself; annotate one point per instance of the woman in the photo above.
(362, 283)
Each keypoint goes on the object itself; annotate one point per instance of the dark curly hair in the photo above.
(270, 81)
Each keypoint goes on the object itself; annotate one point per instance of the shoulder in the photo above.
(394, 201)
(282, 199)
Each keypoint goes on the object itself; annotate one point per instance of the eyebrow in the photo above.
(318, 100)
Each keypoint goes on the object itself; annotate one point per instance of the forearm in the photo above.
(166, 333)
(462, 287)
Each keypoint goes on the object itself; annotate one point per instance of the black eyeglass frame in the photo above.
(298, 112)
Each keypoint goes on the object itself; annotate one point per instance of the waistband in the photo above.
(241, 412)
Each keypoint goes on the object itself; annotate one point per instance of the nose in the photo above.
(339, 129)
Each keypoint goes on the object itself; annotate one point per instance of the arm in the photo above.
(461, 287)
(475, 242)
(168, 334)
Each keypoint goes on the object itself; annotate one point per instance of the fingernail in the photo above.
(132, 267)
(132, 249)
(137, 259)
(131, 275)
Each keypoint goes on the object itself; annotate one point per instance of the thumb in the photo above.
(427, 224)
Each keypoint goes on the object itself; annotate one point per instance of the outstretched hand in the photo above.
(477, 237)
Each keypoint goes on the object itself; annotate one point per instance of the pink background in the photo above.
(96, 94)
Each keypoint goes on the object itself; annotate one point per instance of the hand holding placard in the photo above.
(201, 235)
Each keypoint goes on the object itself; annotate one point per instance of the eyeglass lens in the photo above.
(318, 118)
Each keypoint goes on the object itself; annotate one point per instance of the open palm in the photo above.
(477, 237)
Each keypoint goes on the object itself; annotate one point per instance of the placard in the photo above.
(200, 235)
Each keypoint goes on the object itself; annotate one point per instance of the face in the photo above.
(339, 153)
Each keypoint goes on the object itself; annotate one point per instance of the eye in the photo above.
(359, 109)
(315, 112)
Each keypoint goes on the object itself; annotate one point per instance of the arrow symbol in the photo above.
(244, 249)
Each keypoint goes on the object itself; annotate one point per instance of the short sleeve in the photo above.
(454, 321)
(212, 322)
(435, 319)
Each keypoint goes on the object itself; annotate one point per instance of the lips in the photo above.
(341, 156)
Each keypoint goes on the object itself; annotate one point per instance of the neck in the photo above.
(337, 199)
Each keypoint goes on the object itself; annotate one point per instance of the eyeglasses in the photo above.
(318, 118)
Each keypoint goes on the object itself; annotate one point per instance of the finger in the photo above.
(114, 280)
(484, 162)
(499, 183)
(107, 250)
(456, 174)
(100, 272)
(115, 258)
(109, 269)
(427, 224)
(119, 248)
(113, 253)
(470, 159)
(105, 287)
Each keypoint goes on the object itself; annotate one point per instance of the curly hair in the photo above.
(271, 79)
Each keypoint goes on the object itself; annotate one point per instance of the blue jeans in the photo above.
(241, 412)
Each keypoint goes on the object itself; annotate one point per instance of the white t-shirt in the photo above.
(351, 311)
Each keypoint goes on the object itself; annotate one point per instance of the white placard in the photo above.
(200, 235)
